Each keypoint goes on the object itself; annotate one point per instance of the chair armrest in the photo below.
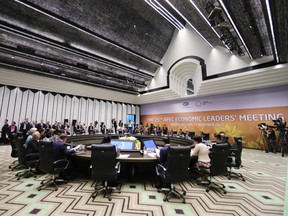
(160, 167)
(32, 156)
(64, 161)
(118, 167)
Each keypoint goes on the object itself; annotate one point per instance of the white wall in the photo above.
(187, 42)
(30, 81)
(17, 104)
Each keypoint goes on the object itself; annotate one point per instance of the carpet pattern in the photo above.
(263, 193)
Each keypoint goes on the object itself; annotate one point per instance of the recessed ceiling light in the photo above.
(134, 26)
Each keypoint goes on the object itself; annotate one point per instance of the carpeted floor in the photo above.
(263, 193)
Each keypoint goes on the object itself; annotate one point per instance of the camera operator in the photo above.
(271, 138)
(280, 124)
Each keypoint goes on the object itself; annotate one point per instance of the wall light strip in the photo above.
(190, 24)
(235, 28)
(272, 30)
(164, 13)
(206, 20)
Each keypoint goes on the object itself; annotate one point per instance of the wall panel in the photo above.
(50, 102)
(35, 106)
(11, 105)
(17, 109)
(18, 103)
(124, 113)
(97, 111)
(90, 112)
(119, 112)
(5, 102)
(137, 113)
(108, 114)
(59, 107)
(82, 110)
(39, 114)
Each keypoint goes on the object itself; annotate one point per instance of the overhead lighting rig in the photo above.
(217, 21)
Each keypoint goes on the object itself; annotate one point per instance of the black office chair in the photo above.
(14, 154)
(28, 161)
(104, 169)
(234, 159)
(219, 155)
(176, 170)
(48, 165)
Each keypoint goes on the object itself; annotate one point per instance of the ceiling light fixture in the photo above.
(272, 30)
(190, 24)
(206, 20)
(235, 28)
(165, 13)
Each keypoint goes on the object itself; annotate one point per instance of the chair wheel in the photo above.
(184, 193)
(39, 189)
(184, 201)
(18, 178)
(164, 200)
(56, 189)
(109, 199)
(223, 186)
(225, 192)
(207, 190)
(229, 178)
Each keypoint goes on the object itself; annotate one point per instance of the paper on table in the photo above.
(151, 154)
(123, 156)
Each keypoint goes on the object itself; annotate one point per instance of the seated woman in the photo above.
(201, 151)
(200, 155)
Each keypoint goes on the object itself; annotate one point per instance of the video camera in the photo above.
(279, 124)
(262, 126)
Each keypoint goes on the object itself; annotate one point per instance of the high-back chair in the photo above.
(219, 155)
(234, 160)
(104, 169)
(49, 166)
(28, 161)
(176, 170)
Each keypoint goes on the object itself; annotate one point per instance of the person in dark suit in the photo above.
(114, 124)
(60, 148)
(25, 126)
(91, 129)
(4, 132)
(41, 125)
(162, 154)
(12, 135)
(33, 144)
(164, 129)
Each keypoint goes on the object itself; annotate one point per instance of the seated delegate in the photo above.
(60, 148)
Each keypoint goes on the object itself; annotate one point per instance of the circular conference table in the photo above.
(133, 163)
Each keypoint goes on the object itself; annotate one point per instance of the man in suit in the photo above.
(25, 126)
(60, 148)
(41, 125)
(4, 132)
(162, 154)
(33, 144)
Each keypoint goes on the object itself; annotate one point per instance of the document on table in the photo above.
(151, 154)
(123, 156)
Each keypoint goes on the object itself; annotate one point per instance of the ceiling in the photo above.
(119, 44)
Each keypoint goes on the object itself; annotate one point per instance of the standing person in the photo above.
(91, 129)
(12, 135)
(25, 126)
(4, 132)
(102, 128)
(114, 124)
(271, 140)
(164, 129)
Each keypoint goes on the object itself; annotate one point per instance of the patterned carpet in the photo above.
(263, 193)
